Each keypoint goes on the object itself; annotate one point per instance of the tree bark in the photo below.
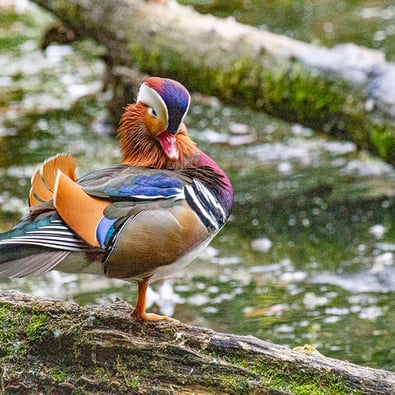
(48, 346)
(347, 91)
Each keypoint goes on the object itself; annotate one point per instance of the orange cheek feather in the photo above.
(154, 125)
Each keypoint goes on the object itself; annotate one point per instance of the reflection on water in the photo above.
(308, 255)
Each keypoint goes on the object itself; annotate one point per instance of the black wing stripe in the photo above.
(205, 205)
(213, 204)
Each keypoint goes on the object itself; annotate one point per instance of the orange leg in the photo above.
(139, 314)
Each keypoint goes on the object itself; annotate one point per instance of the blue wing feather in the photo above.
(105, 230)
(153, 186)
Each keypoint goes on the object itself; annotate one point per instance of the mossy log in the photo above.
(347, 91)
(52, 347)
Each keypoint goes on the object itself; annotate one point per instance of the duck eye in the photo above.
(152, 112)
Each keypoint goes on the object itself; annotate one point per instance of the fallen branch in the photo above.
(48, 346)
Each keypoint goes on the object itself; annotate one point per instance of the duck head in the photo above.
(152, 131)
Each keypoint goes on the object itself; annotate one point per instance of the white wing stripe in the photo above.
(39, 232)
(200, 207)
(58, 227)
(212, 200)
(177, 196)
(40, 237)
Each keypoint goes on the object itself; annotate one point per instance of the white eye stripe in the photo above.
(155, 103)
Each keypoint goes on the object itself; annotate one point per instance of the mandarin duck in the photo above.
(140, 220)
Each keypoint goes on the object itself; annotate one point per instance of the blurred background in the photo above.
(308, 255)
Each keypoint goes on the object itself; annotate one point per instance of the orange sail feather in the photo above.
(43, 179)
(79, 211)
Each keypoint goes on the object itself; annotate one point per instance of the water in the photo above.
(308, 254)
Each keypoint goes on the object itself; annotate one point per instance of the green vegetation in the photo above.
(383, 141)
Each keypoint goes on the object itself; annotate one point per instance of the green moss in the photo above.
(11, 322)
(9, 43)
(10, 95)
(383, 140)
(284, 378)
(296, 94)
(123, 369)
(232, 384)
(304, 383)
(58, 375)
(36, 329)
